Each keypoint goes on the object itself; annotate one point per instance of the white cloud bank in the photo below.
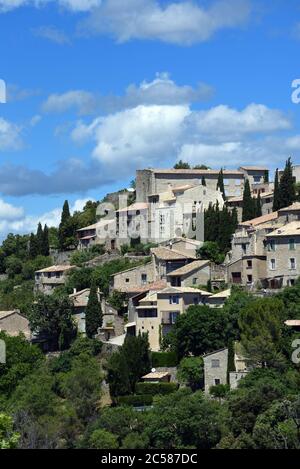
(162, 90)
(177, 22)
(10, 136)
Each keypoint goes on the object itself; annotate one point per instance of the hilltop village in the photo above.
(184, 284)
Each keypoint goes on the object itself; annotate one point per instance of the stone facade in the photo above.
(14, 323)
(215, 369)
(196, 273)
(131, 280)
(46, 280)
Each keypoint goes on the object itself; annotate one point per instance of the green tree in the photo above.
(102, 439)
(220, 183)
(40, 239)
(258, 206)
(181, 165)
(82, 386)
(67, 229)
(33, 246)
(276, 197)
(45, 245)
(266, 176)
(8, 437)
(286, 186)
(117, 375)
(93, 313)
(197, 332)
(51, 316)
(249, 204)
(191, 372)
(260, 324)
(210, 250)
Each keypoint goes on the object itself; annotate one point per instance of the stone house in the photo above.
(156, 181)
(195, 273)
(130, 280)
(167, 259)
(157, 312)
(46, 280)
(215, 368)
(283, 255)
(14, 323)
(102, 232)
(266, 203)
(218, 299)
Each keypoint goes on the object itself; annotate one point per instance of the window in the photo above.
(215, 363)
(127, 280)
(292, 244)
(244, 248)
(271, 245)
(147, 313)
(217, 381)
(174, 300)
(195, 281)
(256, 179)
(173, 317)
(195, 300)
(144, 278)
(273, 264)
(249, 264)
(249, 278)
(292, 263)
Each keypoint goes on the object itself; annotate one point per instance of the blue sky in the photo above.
(96, 89)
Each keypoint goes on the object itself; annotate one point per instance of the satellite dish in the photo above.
(153, 370)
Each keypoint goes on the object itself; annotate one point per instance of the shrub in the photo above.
(155, 388)
(164, 359)
(135, 400)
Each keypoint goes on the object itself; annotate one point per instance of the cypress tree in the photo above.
(234, 219)
(66, 230)
(45, 241)
(220, 183)
(40, 239)
(93, 314)
(276, 199)
(203, 181)
(33, 247)
(287, 193)
(230, 360)
(258, 206)
(266, 177)
(249, 204)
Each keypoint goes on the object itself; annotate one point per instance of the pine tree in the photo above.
(258, 206)
(220, 183)
(45, 241)
(203, 181)
(33, 247)
(249, 204)
(276, 197)
(230, 359)
(93, 314)
(287, 193)
(40, 239)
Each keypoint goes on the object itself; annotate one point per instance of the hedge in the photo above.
(155, 388)
(164, 359)
(135, 400)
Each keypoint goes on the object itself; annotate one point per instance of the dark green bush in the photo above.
(155, 388)
(135, 400)
(163, 359)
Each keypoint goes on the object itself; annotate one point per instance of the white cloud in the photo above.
(10, 138)
(52, 34)
(226, 121)
(13, 219)
(135, 137)
(73, 5)
(183, 22)
(162, 90)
